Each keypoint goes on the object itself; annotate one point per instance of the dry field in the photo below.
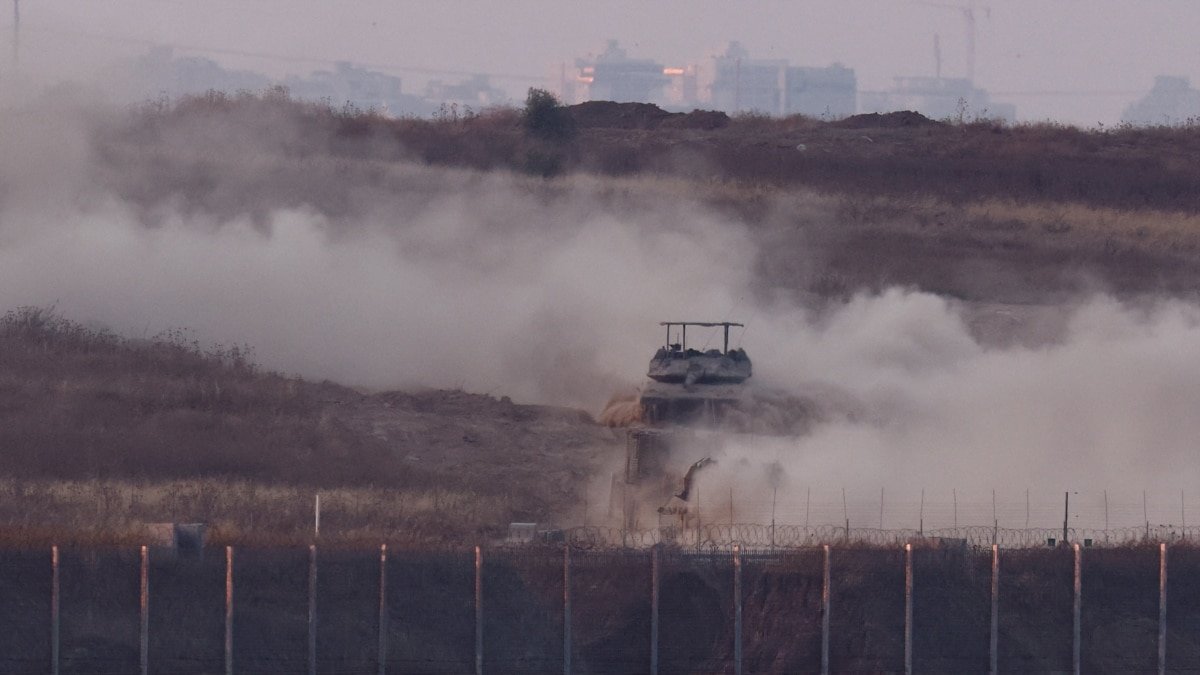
(100, 432)
(975, 210)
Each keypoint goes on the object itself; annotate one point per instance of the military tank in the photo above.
(682, 407)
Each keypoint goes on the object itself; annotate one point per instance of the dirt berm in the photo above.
(611, 115)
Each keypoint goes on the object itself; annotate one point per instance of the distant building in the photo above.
(736, 83)
(939, 98)
(476, 92)
(349, 84)
(161, 73)
(733, 82)
(830, 92)
(1171, 101)
(613, 76)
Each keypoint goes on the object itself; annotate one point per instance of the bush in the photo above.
(545, 117)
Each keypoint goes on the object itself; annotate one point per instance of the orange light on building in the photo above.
(673, 71)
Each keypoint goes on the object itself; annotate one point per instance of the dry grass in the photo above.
(977, 210)
(239, 512)
(1166, 230)
(76, 403)
(1126, 168)
(102, 434)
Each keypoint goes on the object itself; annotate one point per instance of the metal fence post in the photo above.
(1076, 628)
(54, 612)
(825, 615)
(1162, 609)
(566, 609)
(228, 610)
(478, 611)
(994, 643)
(312, 609)
(383, 609)
(908, 608)
(654, 575)
(144, 614)
(737, 609)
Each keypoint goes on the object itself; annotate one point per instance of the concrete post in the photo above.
(1076, 627)
(1162, 609)
(737, 609)
(654, 580)
(994, 643)
(228, 610)
(478, 611)
(144, 614)
(55, 620)
(566, 609)
(312, 609)
(383, 610)
(825, 615)
(908, 608)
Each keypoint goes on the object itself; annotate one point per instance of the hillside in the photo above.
(811, 212)
(139, 430)
(975, 210)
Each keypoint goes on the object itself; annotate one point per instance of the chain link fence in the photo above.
(597, 607)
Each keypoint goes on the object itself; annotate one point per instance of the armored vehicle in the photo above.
(687, 396)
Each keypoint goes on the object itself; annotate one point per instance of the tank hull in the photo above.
(699, 405)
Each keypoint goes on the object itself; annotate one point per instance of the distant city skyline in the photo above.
(1073, 61)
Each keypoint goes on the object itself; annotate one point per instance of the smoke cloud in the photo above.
(443, 279)
(390, 275)
(1106, 406)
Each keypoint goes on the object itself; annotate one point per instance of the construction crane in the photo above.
(937, 55)
(16, 39)
(968, 14)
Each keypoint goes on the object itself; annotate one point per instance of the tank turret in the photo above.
(688, 386)
(691, 367)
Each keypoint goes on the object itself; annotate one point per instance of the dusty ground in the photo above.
(481, 439)
(159, 430)
(1008, 221)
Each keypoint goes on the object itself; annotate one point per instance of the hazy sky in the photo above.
(1081, 61)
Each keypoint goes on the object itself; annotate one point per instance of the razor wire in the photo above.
(754, 536)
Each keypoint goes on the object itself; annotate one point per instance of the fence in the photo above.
(943, 608)
(742, 500)
(756, 537)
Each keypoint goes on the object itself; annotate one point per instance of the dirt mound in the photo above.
(705, 120)
(892, 120)
(613, 115)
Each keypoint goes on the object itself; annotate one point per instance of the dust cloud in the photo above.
(427, 277)
(400, 275)
(1107, 406)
